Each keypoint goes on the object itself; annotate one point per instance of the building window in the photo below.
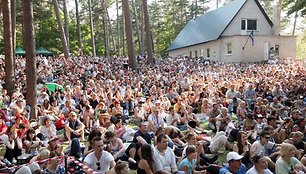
(201, 53)
(248, 24)
(190, 54)
(196, 54)
(243, 24)
(208, 52)
(229, 48)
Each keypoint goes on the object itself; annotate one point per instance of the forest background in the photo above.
(166, 17)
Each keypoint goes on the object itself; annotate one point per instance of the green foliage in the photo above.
(301, 46)
(295, 6)
(167, 19)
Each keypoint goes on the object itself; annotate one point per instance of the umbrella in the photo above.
(20, 52)
(44, 52)
(52, 86)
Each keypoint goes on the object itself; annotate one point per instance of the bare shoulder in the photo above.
(143, 164)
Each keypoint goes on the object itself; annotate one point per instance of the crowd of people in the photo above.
(176, 116)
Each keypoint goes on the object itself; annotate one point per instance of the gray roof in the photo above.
(208, 26)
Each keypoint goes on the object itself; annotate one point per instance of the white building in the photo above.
(223, 35)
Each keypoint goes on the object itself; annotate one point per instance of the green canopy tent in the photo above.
(20, 52)
(44, 52)
(52, 86)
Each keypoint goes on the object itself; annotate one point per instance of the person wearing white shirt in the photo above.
(99, 160)
(260, 165)
(155, 120)
(47, 129)
(164, 156)
(172, 119)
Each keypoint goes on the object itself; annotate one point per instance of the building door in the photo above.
(266, 51)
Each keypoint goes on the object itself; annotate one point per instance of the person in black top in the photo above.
(13, 146)
(74, 127)
(141, 137)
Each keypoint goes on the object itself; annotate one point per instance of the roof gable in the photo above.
(209, 26)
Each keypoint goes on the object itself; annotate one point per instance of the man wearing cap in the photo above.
(234, 164)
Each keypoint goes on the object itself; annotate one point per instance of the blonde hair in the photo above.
(43, 154)
(286, 148)
(297, 134)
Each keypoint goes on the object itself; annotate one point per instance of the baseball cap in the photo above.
(233, 156)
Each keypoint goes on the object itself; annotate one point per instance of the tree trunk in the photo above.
(129, 35)
(105, 29)
(142, 34)
(30, 57)
(66, 24)
(8, 46)
(123, 35)
(13, 16)
(141, 52)
(111, 37)
(294, 23)
(150, 57)
(118, 29)
(276, 17)
(92, 34)
(78, 27)
(196, 9)
(61, 29)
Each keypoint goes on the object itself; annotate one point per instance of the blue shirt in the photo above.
(188, 164)
(241, 170)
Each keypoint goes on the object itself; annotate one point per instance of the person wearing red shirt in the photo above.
(20, 119)
(22, 131)
(3, 131)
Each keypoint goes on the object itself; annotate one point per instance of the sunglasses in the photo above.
(98, 164)
(267, 137)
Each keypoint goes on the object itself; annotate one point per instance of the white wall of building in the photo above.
(256, 53)
(250, 10)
